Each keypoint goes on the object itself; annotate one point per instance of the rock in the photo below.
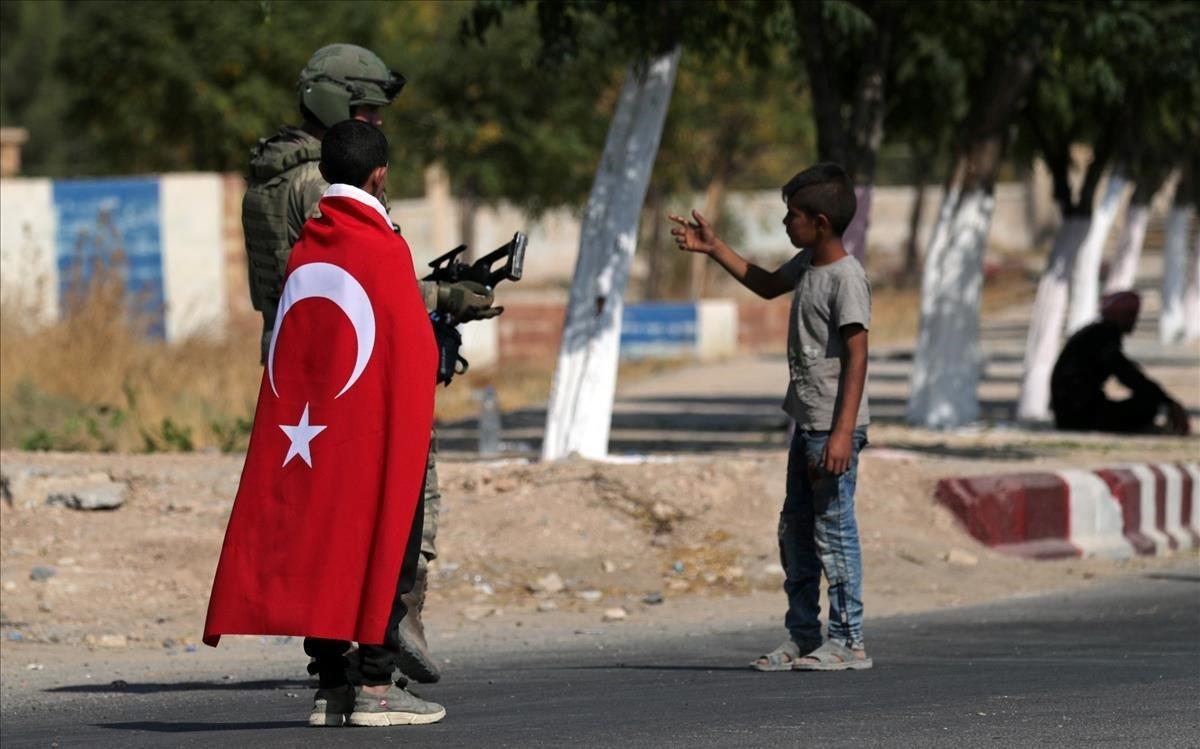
(545, 606)
(709, 577)
(664, 514)
(661, 540)
(733, 572)
(550, 584)
(9, 586)
(591, 596)
(677, 584)
(653, 599)
(105, 496)
(773, 570)
(475, 613)
(34, 667)
(42, 573)
(608, 566)
(106, 641)
(961, 558)
(616, 614)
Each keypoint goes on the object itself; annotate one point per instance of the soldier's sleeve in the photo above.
(429, 294)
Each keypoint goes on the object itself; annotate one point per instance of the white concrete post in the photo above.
(579, 414)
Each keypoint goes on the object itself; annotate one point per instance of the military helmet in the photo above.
(340, 76)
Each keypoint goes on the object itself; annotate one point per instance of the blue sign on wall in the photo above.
(112, 225)
(658, 329)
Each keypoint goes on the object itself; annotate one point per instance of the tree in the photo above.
(1100, 52)
(998, 44)
(32, 96)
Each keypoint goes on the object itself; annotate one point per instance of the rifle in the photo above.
(449, 269)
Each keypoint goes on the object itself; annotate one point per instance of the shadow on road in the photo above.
(159, 726)
(124, 687)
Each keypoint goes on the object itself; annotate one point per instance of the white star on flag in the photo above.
(301, 435)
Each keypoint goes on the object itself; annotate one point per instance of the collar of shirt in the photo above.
(340, 190)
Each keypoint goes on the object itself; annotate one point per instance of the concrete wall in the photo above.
(161, 235)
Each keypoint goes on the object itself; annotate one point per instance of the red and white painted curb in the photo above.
(1119, 512)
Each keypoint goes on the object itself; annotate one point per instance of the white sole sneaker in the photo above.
(396, 718)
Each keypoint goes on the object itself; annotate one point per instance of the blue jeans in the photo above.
(817, 531)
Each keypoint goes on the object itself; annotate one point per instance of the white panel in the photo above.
(28, 267)
(193, 254)
(717, 329)
(1147, 482)
(1193, 469)
(481, 343)
(1095, 523)
(1174, 504)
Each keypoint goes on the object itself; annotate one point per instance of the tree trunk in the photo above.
(468, 207)
(656, 253)
(1172, 319)
(1085, 277)
(1046, 320)
(855, 237)
(912, 253)
(946, 364)
(1122, 274)
(714, 203)
(1191, 298)
(1048, 316)
(579, 414)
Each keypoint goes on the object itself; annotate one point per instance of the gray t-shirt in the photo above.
(827, 298)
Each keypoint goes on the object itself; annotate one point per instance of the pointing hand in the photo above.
(697, 236)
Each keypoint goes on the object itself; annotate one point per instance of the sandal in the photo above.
(781, 658)
(834, 656)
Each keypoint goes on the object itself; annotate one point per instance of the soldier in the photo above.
(340, 82)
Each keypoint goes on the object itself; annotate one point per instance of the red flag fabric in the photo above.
(337, 453)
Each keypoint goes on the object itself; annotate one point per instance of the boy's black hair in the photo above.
(351, 150)
(824, 188)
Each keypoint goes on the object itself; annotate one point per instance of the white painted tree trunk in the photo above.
(1085, 277)
(947, 362)
(1191, 298)
(1046, 320)
(855, 237)
(579, 413)
(1171, 319)
(1122, 274)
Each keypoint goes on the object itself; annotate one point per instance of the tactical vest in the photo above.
(278, 167)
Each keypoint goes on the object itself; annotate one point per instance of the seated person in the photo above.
(1093, 355)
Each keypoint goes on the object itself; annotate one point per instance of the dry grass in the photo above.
(92, 381)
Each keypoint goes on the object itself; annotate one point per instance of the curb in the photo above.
(1117, 512)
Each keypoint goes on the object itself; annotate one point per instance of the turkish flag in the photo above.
(337, 454)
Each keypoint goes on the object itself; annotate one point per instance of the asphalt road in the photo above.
(1116, 665)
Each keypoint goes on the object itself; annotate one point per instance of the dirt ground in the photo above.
(669, 541)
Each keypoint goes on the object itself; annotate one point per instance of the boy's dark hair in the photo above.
(824, 188)
(351, 150)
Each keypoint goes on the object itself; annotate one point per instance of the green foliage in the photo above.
(233, 434)
(167, 436)
(35, 420)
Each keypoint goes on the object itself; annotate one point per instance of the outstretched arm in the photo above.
(698, 236)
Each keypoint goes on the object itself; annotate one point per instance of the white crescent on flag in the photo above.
(328, 281)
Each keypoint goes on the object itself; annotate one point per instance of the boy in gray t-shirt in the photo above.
(827, 366)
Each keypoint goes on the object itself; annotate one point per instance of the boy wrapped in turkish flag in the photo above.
(331, 488)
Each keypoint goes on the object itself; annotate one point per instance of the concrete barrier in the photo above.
(1112, 512)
